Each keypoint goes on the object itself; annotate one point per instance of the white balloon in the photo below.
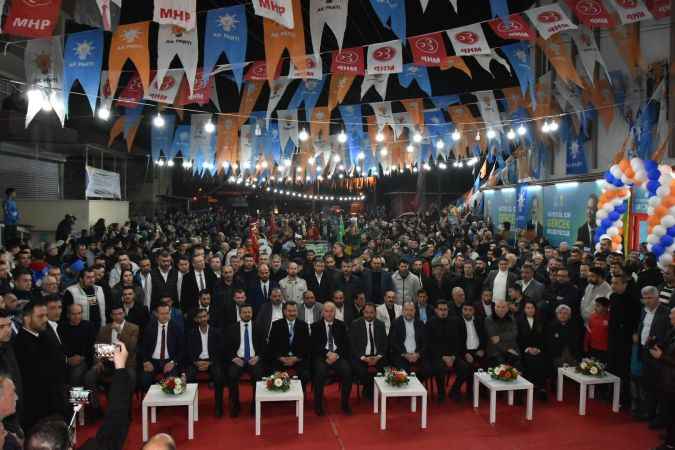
(659, 230)
(618, 224)
(665, 180)
(663, 191)
(665, 168)
(650, 211)
(668, 221)
(636, 164)
(641, 176)
(653, 239)
(666, 260)
(612, 231)
(671, 211)
(616, 171)
(601, 214)
(653, 202)
(649, 247)
(625, 179)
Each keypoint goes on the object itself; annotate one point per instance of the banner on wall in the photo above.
(570, 212)
(530, 208)
(102, 184)
(180, 13)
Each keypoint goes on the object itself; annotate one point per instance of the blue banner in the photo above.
(576, 156)
(226, 31)
(500, 205)
(272, 142)
(353, 120)
(418, 73)
(437, 128)
(443, 101)
(520, 57)
(308, 92)
(645, 128)
(132, 117)
(162, 137)
(392, 11)
(500, 8)
(82, 61)
(570, 210)
(521, 206)
(181, 142)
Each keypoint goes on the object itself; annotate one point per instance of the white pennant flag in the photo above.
(566, 96)
(313, 69)
(550, 20)
(385, 57)
(277, 90)
(105, 95)
(166, 91)
(279, 11)
(589, 52)
(43, 63)
(402, 120)
(485, 60)
(379, 82)
(469, 40)
(181, 13)
(288, 128)
(2, 8)
(631, 11)
(454, 4)
(172, 41)
(424, 4)
(245, 148)
(487, 105)
(327, 12)
(383, 114)
(662, 133)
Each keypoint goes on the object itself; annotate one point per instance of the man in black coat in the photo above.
(134, 312)
(194, 282)
(563, 338)
(289, 344)
(409, 352)
(443, 346)
(164, 279)
(330, 351)
(232, 307)
(10, 366)
(163, 346)
(471, 341)
(205, 351)
(216, 316)
(320, 282)
(347, 282)
(243, 354)
(369, 347)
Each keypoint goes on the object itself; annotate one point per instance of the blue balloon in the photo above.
(609, 177)
(618, 183)
(606, 223)
(652, 186)
(658, 250)
(620, 209)
(666, 241)
(671, 231)
(650, 164)
(653, 174)
(614, 216)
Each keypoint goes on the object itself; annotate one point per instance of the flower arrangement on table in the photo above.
(279, 381)
(591, 367)
(173, 385)
(396, 377)
(504, 372)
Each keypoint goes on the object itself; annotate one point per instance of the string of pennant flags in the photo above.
(51, 74)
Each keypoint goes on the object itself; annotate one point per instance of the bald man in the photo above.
(161, 441)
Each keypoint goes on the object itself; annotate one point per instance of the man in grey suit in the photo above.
(310, 310)
(532, 289)
(269, 312)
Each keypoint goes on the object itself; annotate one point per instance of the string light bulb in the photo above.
(170, 163)
(311, 161)
(379, 137)
(511, 135)
(258, 130)
(361, 156)
(209, 127)
(410, 148)
(103, 113)
(521, 130)
(440, 144)
(456, 136)
(158, 121)
(553, 126)
(478, 135)
(336, 158)
(342, 137)
(384, 151)
(491, 134)
(303, 135)
(417, 137)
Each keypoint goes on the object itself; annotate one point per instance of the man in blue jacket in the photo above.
(11, 215)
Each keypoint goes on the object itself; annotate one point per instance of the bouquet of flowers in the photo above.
(591, 367)
(279, 381)
(395, 377)
(173, 385)
(504, 372)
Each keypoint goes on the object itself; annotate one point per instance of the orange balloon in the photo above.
(669, 201)
(630, 173)
(616, 239)
(625, 165)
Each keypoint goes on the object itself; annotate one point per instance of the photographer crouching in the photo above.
(53, 434)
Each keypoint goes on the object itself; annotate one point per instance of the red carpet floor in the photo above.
(451, 425)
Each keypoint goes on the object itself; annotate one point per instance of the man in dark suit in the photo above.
(531, 288)
(369, 347)
(408, 342)
(134, 312)
(471, 342)
(330, 351)
(443, 346)
(344, 310)
(269, 312)
(243, 354)
(320, 282)
(260, 288)
(216, 316)
(586, 231)
(194, 282)
(163, 346)
(346, 281)
(376, 282)
(164, 279)
(232, 307)
(205, 350)
(289, 345)
(57, 352)
(439, 284)
(223, 291)
(485, 307)
(423, 310)
(500, 280)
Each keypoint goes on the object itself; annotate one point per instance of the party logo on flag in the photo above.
(32, 18)
(469, 40)
(313, 69)
(83, 60)
(258, 71)
(349, 61)
(279, 11)
(181, 13)
(166, 91)
(591, 13)
(386, 57)
(631, 11)
(660, 9)
(226, 32)
(550, 20)
(514, 28)
(132, 93)
(201, 93)
(428, 50)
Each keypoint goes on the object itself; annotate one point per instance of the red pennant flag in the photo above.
(516, 28)
(201, 94)
(132, 93)
(592, 13)
(32, 18)
(428, 50)
(349, 61)
(659, 8)
(258, 71)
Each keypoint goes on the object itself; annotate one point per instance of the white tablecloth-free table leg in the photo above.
(144, 410)
(383, 412)
(530, 401)
(413, 403)
(510, 398)
(191, 421)
(476, 386)
(257, 417)
(591, 391)
(376, 400)
(153, 414)
(195, 403)
(493, 406)
(616, 396)
(424, 410)
(559, 392)
(582, 399)
(301, 417)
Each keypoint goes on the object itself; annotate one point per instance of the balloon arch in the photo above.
(659, 181)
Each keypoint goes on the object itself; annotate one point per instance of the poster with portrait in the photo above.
(500, 206)
(530, 209)
(570, 210)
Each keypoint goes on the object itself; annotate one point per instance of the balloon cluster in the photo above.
(661, 212)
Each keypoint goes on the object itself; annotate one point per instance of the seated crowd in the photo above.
(216, 298)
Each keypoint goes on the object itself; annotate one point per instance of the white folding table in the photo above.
(587, 386)
(156, 398)
(382, 390)
(294, 394)
(495, 386)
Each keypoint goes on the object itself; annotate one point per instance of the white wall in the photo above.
(45, 215)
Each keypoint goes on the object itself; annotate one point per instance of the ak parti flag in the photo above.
(339, 86)
(278, 37)
(249, 97)
(559, 55)
(130, 41)
(415, 108)
(227, 141)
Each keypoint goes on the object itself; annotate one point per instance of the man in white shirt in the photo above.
(597, 287)
(389, 310)
(309, 310)
(500, 281)
(292, 286)
(471, 354)
(145, 277)
(369, 345)
(163, 346)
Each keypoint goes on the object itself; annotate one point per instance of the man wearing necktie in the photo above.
(331, 353)
(243, 352)
(163, 346)
(289, 344)
(369, 346)
(195, 282)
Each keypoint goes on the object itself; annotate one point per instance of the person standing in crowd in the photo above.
(406, 283)
(664, 355)
(500, 280)
(89, 296)
(11, 215)
(597, 287)
(292, 286)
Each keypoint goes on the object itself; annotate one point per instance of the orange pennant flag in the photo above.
(602, 98)
(465, 122)
(116, 130)
(415, 109)
(456, 62)
(544, 106)
(339, 86)
(278, 38)
(559, 55)
(249, 97)
(227, 141)
(514, 98)
(397, 153)
(130, 41)
(319, 127)
(628, 45)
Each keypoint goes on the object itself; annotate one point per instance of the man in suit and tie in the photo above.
(320, 282)
(471, 341)
(164, 279)
(532, 289)
(586, 232)
(182, 270)
(389, 310)
(309, 311)
(233, 307)
(205, 351)
(194, 282)
(369, 347)
(330, 351)
(443, 345)
(216, 316)
(163, 346)
(260, 288)
(408, 342)
(118, 330)
(289, 344)
(344, 310)
(499, 281)
(56, 355)
(269, 313)
(144, 278)
(423, 310)
(485, 307)
(376, 282)
(243, 354)
(134, 312)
